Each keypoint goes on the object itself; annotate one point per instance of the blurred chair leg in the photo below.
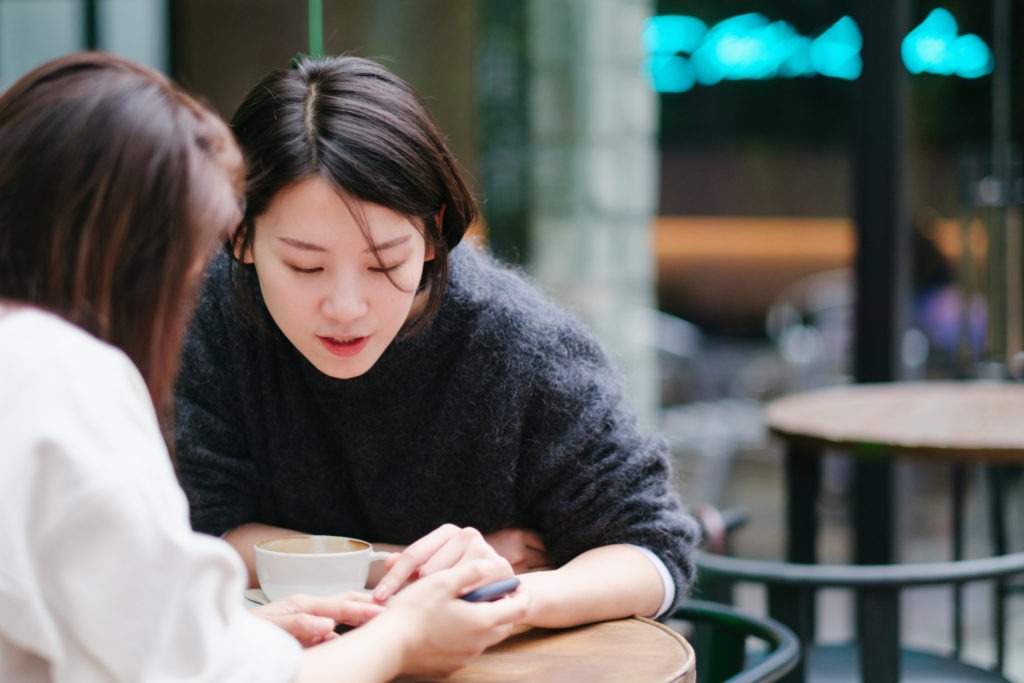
(878, 628)
(794, 607)
(958, 486)
(997, 477)
(874, 537)
(803, 481)
(720, 654)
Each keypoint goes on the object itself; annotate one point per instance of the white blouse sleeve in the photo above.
(669, 586)
(112, 583)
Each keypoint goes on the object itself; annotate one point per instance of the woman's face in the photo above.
(322, 282)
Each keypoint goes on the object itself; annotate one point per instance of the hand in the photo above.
(443, 632)
(445, 547)
(311, 620)
(523, 548)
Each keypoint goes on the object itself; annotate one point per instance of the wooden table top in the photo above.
(636, 650)
(968, 420)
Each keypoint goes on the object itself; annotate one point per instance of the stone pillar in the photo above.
(593, 120)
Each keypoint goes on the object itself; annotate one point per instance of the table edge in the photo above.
(689, 672)
(863, 448)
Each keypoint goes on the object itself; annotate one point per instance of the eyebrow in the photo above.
(299, 244)
(309, 246)
(390, 244)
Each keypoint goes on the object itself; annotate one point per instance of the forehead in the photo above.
(313, 211)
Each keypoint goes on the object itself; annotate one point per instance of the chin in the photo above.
(335, 370)
(335, 373)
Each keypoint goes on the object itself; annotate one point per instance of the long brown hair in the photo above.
(114, 185)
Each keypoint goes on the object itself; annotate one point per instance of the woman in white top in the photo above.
(115, 187)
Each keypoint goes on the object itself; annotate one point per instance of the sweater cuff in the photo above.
(666, 581)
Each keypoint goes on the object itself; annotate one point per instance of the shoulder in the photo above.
(479, 276)
(41, 349)
(520, 337)
(221, 327)
(508, 304)
(74, 397)
(215, 296)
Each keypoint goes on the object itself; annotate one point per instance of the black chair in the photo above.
(719, 635)
(878, 654)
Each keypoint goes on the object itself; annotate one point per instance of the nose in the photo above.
(345, 299)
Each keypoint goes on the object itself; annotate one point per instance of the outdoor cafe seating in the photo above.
(880, 651)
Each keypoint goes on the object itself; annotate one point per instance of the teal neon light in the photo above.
(935, 47)
(684, 52)
(747, 46)
(836, 52)
(671, 33)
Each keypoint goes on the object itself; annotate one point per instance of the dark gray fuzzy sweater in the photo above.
(504, 412)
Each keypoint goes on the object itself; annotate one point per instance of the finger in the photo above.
(356, 613)
(446, 557)
(463, 578)
(498, 634)
(410, 560)
(353, 608)
(324, 605)
(308, 629)
(467, 544)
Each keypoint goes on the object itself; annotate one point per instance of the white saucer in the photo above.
(256, 596)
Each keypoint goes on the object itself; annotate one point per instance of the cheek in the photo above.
(390, 295)
(408, 278)
(281, 295)
(404, 286)
(392, 302)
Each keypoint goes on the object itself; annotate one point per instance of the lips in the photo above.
(343, 346)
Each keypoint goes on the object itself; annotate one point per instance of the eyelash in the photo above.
(310, 271)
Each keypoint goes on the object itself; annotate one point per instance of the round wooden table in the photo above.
(636, 650)
(966, 422)
(975, 420)
(963, 423)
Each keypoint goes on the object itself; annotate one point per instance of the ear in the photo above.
(439, 225)
(237, 239)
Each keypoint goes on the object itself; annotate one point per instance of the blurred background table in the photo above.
(963, 422)
(636, 650)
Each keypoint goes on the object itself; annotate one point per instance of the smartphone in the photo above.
(492, 591)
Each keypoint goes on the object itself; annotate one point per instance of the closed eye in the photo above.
(297, 269)
(385, 269)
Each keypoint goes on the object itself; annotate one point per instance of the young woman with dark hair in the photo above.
(115, 189)
(355, 366)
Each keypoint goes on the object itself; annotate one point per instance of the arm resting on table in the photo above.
(609, 582)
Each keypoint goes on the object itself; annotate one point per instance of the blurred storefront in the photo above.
(631, 176)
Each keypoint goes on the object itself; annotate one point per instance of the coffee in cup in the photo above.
(314, 565)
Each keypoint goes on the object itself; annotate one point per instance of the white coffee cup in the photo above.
(314, 565)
